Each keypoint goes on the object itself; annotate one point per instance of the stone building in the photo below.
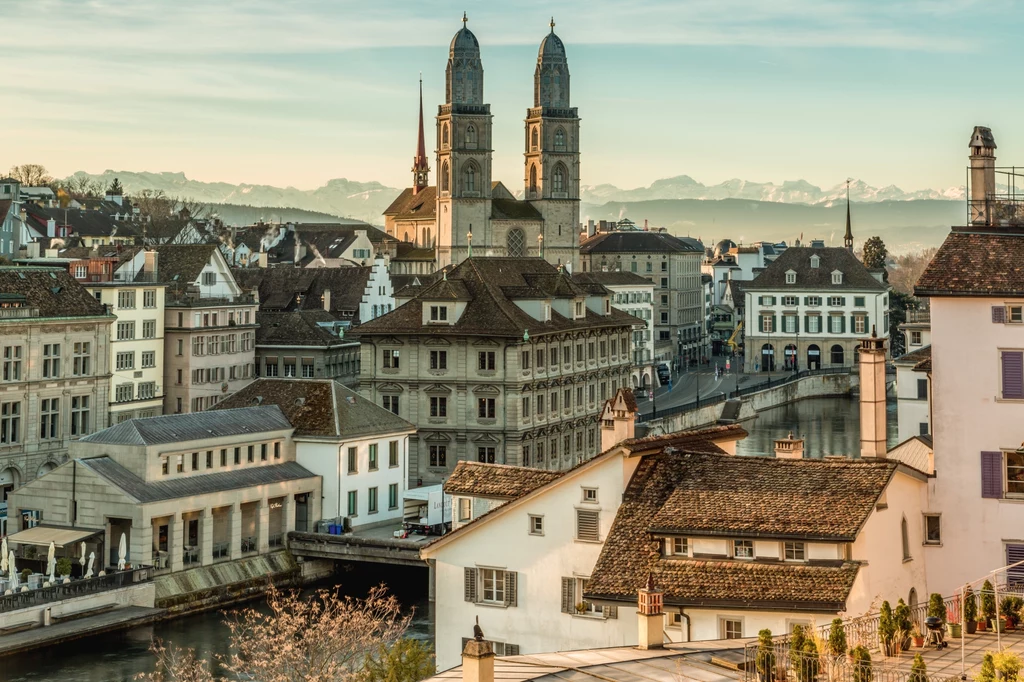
(467, 209)
(673, 264)
(501, 360)
(810, 308)
(309, 344)
(634, 295)
(55, 379)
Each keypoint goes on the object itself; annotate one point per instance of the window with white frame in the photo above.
(814, 324)
(836, 301)
(790, 277)
(932, 529)
(790, 300)
(149, 298)
(492, 586)
(536, 524)
(859, 324)
(51, 360)
(915, 338)
(12, 363)
(1015, 314)
(790, 323)
(82, 357)
(743, 549)
(391, 359)
(678, 546)
(49, 418)
(589, 607)
(590, 495)
(837, 277)
(79, 415)
(766, 323)
(438, 313)
(10, 422)
(794, 551)
(731, 628)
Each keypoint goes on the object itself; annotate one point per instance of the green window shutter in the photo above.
(807, 300)
(807, 324)
(867, 325)
(842, 324)
(853, 323)
(760, 324)
(775, 324)
(760, 300)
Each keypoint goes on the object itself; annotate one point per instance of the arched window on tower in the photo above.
(534, 136)
(533, 179)
(516, 242)
(558, 179)
(444, 136)
(445, 176)
(470, 135)
(560, 140)
(469, 178)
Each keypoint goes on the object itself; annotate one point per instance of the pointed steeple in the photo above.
(420, 167)
(848, 238)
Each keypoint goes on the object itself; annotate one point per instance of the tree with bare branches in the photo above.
(176, 665)
(31, 175)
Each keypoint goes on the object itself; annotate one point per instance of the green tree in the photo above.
(988, 601)
(796, 641)
(115, 188)
(887, 628)
(875, 253)
(936, 606)
(988, 669)
(918, 670)
(809, 663)
(407, 660)
(861, 664)
(837, 638)
(765, 656)
(970, 606)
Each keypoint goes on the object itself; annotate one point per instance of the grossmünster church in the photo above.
(467, 209)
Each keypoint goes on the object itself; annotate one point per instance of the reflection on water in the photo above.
(829, 426)
(119, 657)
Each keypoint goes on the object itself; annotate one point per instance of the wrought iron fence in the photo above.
(75, 588)
(779, 664)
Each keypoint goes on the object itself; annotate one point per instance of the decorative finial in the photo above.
(464, 19)
(526, 337)
(552, 24)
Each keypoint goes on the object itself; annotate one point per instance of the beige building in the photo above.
(185, 490)
(55, 374)
(503, 360)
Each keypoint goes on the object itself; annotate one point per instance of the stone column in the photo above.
(288, 513)
(263, 526)
(177, 543)
(235, 531)
(206, 537)
(141, 550)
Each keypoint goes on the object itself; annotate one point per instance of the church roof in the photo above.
(513, 209)
(636, 241)
(465, 42)
(550, 47)
(419, 206)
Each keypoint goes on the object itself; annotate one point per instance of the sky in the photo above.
(297, 92)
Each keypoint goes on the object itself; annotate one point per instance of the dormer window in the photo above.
(545, 312)
(837, 277)
(607, 306)
(579, 309)
(815, 261)
(790, 277)
(438, 313)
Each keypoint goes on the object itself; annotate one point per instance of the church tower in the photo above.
(420, 167)
(552, 173)
(463, 152)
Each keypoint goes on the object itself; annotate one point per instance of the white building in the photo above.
(360, 450)
(914, 393)
(631, 294)
(810, 308)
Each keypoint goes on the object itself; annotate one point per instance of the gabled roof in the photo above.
(856, 277)
(187, 486)
(637, 241)
(280, 288)
(295, 328)
(499, 481)
(182, 264)
(52, 290)
(419, 206)
(983, 263)
(914, 357)
(174, 428)
(692, 440)
(317, 407)
(611, 279)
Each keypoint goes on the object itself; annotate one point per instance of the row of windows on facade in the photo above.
(837, 276)
(271, 368)
(206, 461)
(126, 359)
(210, 375)
(50, 427)
(836, 324)
(199, 403)
(814, 301)
(380, 309)
(213, 319)
(486, 360)
(126, 392)
(14, 368)
(126, 330)
(218, 344)
(533, 454)
(126, 300)
(372, 463)
(352, 500)
(632, 297)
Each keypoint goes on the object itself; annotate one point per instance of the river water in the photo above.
(830, 426)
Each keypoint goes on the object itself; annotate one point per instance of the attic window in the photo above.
(790, 277)
(815, 261)
(837, 277)
(579, 309)
(438, 313)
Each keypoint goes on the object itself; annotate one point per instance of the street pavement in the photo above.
(687, 386)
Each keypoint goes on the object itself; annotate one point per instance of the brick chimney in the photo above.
(872, 397)
(262, 259)
(478, 658)
(618, 419)
(650, 616)
(151, 264)
(789, 447)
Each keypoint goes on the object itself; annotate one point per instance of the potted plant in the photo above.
(1007, 665)
(25, 573)
(954, 629)
(809, 663)
(936, 607)
(765, 656)
(918, 670)
(988, 603)
(887, 630)
(861, 664)
(581, 607)
(970, 611)
(64, 567)
(796, 641)
(1009, 608)
(988, 669)
(903, 624)
(837, 638)
(916, 636)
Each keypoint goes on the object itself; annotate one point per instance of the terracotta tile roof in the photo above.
(638, 242)
(409, 206)
(52, 290)
(182, 263)
(694, 440)
(914, 356)
(924, 366)
(976, 264)
(295, 328)
(496, 480)
(736, 291)
(856, 277)
(491, 285)
(737, 497)
(319, 407)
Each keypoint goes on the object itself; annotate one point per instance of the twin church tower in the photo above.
(466, 212)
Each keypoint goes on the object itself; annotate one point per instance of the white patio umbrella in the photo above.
(122, 552)
(3, 555)
(81, 560)
(51, 561)
(92, 558)
(13, 570)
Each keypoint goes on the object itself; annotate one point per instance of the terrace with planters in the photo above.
(976, 634)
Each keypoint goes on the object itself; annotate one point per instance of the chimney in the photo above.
(478, 658)
(150, 265)
(872, 397)
(327, 300)
(262, 259)
(983, 175)
(789, 447)
(645, 224)
(650, 617)
(618, 419)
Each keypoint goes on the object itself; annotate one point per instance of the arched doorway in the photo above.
(813, 356)
(767, 358)
(838, 357)
(791, 356)
(8, 482)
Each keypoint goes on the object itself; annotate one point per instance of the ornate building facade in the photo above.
(467, 209)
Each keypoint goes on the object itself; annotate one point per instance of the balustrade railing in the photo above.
(76, 588)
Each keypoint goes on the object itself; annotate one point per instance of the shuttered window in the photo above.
(491, 586)
(1015, 554)
(587, 525)
(1013, 374)
(568, 595)
(998, 314)
(992, 474)
(499, 648)
(470, 584)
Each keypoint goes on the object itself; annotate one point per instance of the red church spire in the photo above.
(420, 167)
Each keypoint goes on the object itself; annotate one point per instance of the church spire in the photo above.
(420, 167)
(848, 238)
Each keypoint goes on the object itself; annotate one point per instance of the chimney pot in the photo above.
(872, 398)
(650, 616)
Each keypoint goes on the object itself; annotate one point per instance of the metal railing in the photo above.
(249, 544)
(779, 664)
(45, 595)
(190, 556)
(276, 540)
(220, 550)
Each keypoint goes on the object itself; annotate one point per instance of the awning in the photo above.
(44, 535)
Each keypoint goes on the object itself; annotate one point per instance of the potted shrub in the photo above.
(64, 567)
(809, 663)
(887, 630)
(765, 662)
(25, 573)
(918, 670)
(903, 624)
(916, 636)
(861, 664)
(988, 668)
(837, 638)
(936, 606)
(796, 641)
(1007, 664)
(1009, 608)
(988, 603)
(970, 611)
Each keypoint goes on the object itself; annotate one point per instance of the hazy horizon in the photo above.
(298, 93)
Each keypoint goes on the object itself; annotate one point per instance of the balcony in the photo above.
(18, 313)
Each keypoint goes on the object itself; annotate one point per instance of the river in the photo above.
(830, 426)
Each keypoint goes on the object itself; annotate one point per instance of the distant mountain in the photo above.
(789, 192)
(234, 214)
